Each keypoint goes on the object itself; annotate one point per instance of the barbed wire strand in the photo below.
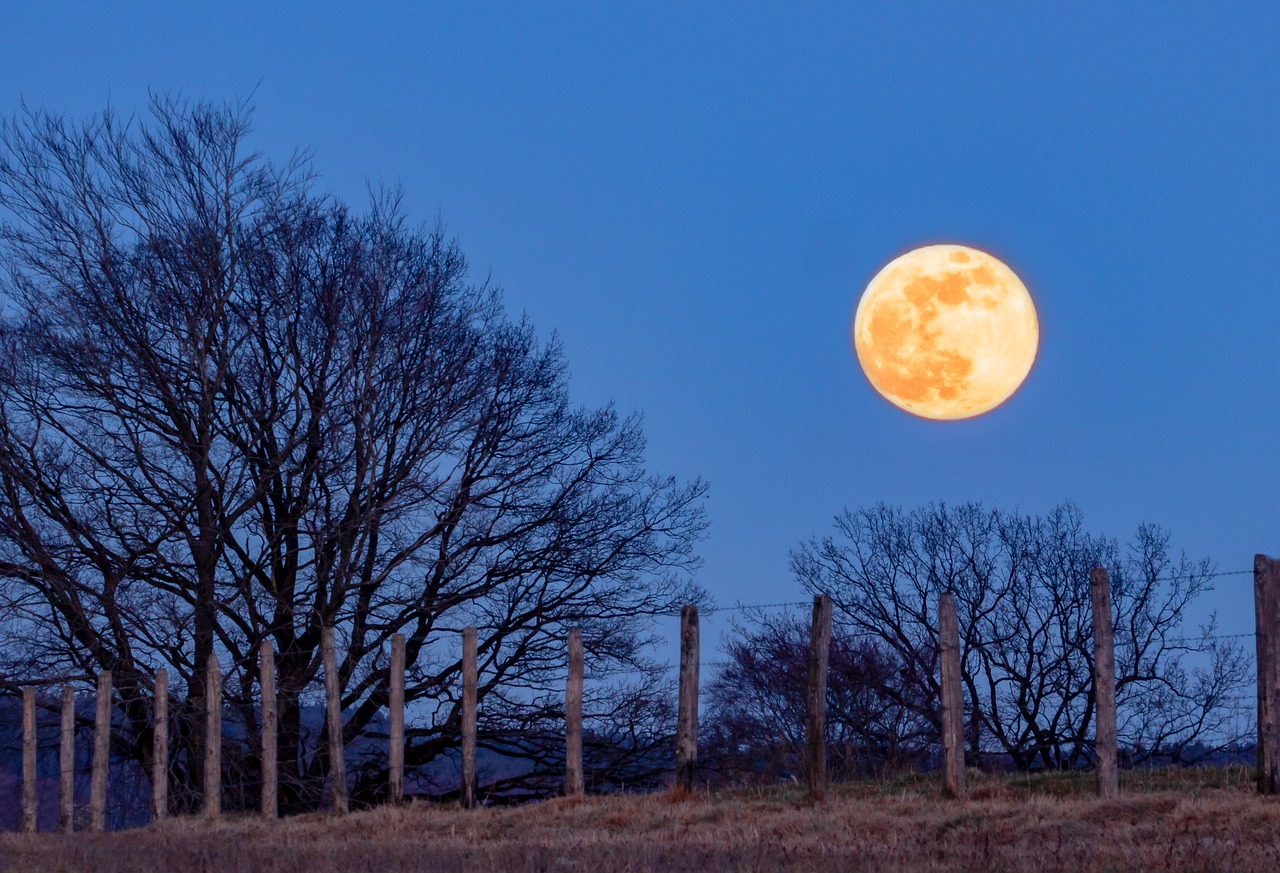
(746, 607)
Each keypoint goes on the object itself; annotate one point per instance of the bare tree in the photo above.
(756, 704)
(233, 410)
(1021, 585)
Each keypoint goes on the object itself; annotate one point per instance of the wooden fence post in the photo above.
(213, 739)
(28, 760)
(270, 772)
(333, 710)
(573, 780)
(469, 717)
(687, 717)
(952, 697)
(67, 763)
(395, 718)
(1104, 686)
(160, 748)
(1266, 601)
(815, 746)
(101, 754)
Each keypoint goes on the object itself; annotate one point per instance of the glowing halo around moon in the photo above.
(946, 332)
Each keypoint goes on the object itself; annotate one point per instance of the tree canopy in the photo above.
(234, 409)
(1021, 587)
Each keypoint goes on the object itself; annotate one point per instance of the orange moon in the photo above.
(946, 332)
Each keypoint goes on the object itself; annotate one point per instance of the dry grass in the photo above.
(1182, 820)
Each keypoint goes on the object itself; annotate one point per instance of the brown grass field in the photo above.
(1200, 820)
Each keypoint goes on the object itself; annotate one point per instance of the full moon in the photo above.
(946, 332)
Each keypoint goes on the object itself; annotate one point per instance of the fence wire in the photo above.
(796, 604)
(747, 607)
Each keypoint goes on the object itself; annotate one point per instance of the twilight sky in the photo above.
(694, 200)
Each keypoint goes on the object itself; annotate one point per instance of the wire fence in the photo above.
(797, 604)
(748, 607)
(659, 672)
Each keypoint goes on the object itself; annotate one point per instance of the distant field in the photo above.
(1197, 820)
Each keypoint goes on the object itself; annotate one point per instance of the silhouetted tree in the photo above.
(1022, 592)
(234, 410)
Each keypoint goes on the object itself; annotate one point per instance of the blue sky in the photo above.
(693, 198)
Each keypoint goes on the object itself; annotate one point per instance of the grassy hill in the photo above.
(1198, 819)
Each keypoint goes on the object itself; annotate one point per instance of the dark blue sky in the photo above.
(694, 200)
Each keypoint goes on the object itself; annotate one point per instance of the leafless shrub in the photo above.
(755, 705)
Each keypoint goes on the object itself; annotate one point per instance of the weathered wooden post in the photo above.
(28, 760)
(469, 717)
(1266, 601)
(573, 781)
(815, 746)
(160, 747)
(67, 763)
(270, 772)
(395, 718)
(687, 716)
(213, 739)
(101, 754)
(952, 697)
(1104, 686)
(333, 711)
